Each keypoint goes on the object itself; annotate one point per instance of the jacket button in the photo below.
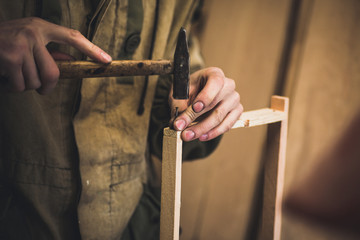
(132, 42)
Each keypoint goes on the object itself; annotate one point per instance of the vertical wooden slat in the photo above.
(274, 171)
(171, 185)
(275, 100)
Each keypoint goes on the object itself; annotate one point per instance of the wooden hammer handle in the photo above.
(89, 69)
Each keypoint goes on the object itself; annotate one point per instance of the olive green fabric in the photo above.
(74, 162)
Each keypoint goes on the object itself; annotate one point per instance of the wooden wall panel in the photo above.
(245, 39)
(324, 97)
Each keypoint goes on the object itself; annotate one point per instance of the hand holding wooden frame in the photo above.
(274, 171)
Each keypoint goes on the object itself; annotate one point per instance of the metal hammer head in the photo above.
(181, 67)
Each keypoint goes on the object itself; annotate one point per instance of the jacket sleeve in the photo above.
(160, 114)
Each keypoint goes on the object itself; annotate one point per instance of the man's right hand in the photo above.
(25, 62)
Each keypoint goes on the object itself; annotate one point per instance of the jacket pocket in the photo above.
(38, 174)
(127, 170)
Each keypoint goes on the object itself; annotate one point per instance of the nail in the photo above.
(180, 124)
(198, 107)
(189, 134)
(106, 56)
(204, 137)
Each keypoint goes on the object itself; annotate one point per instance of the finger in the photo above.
(30, 73)
(215, 117)
(16, 80)
(215, 80)
(216, 89)
(206, 99)
(185, 118)
(48, 70)
(225, 126)
(74, 38)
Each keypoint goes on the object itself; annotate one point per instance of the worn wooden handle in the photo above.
(89, 69)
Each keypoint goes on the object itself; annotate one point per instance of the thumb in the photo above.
(190, 114)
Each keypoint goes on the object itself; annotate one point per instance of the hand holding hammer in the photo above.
(26, 64)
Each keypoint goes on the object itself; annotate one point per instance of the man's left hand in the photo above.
(213, 103)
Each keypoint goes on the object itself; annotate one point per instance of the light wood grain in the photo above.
(259, 117)
(274, 171)
(281, 103)
(171, 185)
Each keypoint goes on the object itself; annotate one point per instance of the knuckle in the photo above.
(228, 126)
(36, 85)
(216, 74)
(214, 133)
(92, 47)
(216, 71)
(219, 115)
(18, 87)
(13, 51)
(14, 61)
(17, 48)
(30, 31)
(199, 130)
(74, 34)
(51, 75)
(231, 83)
(191, 114)
(241, 108)
(237, 96)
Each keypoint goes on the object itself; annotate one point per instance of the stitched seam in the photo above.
(112, 157)
(123, 181)
(41, 184)
(41, 165)
(126, 163)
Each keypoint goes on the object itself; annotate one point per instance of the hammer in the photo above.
(179, 67)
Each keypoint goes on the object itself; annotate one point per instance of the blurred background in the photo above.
(308, 50)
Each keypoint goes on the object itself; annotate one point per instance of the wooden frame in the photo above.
(277, 117)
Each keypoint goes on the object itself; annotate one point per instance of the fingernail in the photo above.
(180, 124)
(204, 137)
(189, 134)
(198, 107)
(106, 56)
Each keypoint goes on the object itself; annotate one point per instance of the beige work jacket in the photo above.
(73, 162)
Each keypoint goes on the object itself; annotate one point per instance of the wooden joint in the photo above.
(279, 103)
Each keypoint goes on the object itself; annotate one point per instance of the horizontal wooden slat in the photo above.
(259, 117)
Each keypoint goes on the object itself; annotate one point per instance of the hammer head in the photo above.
(181, 67)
